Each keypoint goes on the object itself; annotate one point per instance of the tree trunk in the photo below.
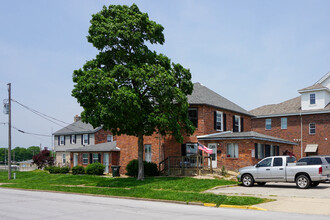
(140, 155)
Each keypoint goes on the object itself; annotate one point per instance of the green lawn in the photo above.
(168, 188)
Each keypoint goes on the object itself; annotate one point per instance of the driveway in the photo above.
(289, 197)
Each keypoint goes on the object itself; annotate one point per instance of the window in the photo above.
(278, 162)
(312, 99)
(85, 158)
(311, 161)
(268, 124)
(237, 123)
(232, 150)
(327, 159)
(284, 123)
(95, 158)
(63, 159)
(218, 121)
(85, 139)
(266, 150)
(191, 149)
(266, 162)
(62, 141)
(312, 128)
(193, 116)
(147, 150)
(109, 138)
(73, 139)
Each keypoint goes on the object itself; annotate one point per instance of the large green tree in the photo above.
(128, 88)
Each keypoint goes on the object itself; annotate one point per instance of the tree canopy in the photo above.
(128, 88)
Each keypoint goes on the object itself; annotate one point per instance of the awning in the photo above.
(311, 148)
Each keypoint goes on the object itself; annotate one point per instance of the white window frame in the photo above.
(63, 158)
(269, 120)
(239, 122)
(93, 158)
(73, 139)
(83, 159)
(232, 150)
(147, 152)
(219, 115)
(284, 120)
(62, 140)
(310, 98)
(109, 138)
(84, 139)
(310, 129)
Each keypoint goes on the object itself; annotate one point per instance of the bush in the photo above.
(55, 170)
(95, 169)
(150, 168)
(78, 170)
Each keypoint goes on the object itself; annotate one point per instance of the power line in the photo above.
(25, 132)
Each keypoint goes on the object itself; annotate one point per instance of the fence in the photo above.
(185, 165)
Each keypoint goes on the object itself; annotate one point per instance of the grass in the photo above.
(184, 189)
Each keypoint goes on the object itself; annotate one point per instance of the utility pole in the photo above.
(9, 131)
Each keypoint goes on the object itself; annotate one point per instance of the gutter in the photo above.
(291, 114)
(249, 138)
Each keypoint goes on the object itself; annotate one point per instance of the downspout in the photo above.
(301, 137)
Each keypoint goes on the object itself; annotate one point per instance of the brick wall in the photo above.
(292, 133)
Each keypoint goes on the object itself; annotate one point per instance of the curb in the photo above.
(235, 206)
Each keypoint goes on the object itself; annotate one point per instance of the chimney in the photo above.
(76, 118)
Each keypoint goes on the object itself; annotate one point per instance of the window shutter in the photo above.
(267, 150)
(82, 139)
(58, 138)
(234, 129)
(99, 158)
(256, 150)
(183, 150)
(75, 139)
(88, 138)
(64, 139)
(215, 120)
(277, 149)
(224, 122)
(90, 158)
(70, 139)
(242, 124)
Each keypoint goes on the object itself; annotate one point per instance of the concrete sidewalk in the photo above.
(288, 197)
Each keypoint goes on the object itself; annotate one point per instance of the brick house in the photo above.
(220, 124)
(304, 119)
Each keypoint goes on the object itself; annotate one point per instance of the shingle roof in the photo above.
(244, 135)
(204, 95)
(77, 127)
(313, 87)
(103, 147)
(291, 106)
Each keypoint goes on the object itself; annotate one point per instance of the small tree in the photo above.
(129, 89)
(43, 159)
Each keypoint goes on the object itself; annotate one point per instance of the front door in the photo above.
(213, 155)
(106, 162)
(75, 159)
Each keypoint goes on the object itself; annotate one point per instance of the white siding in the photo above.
(321, 100)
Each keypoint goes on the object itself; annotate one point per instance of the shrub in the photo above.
(54, 169)
(78, 170)
(150, 168)
(95, 169)
(64, 170)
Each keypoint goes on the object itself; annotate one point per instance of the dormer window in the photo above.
(109, 138)
(85, 139)
(312, 98)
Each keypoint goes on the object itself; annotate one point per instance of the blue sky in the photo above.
(251, 52)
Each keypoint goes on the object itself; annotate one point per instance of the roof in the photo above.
(316, 86)
(291, 106)
(103, 147)
(204, 95)
(77, 127)
(323, 78)
(244, 135)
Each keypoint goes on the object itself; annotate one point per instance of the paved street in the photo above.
(289, 197)
(19, 204)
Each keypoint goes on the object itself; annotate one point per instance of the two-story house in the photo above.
(304, 119)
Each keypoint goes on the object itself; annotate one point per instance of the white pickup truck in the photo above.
(282, 169)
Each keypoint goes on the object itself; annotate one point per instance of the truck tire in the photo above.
(261, 183)
(303, 182)
(315, 184)
(247, 180)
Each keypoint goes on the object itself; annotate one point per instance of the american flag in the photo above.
(205, 149)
